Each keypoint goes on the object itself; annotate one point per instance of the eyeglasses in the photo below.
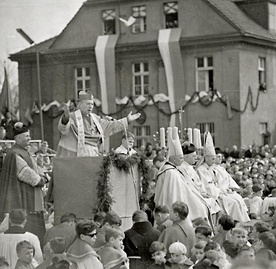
(91, 235)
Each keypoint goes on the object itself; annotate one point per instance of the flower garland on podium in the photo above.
(121, 162)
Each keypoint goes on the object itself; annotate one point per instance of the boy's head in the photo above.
(178, 252)
(240, 236)
(114, 237)
(58, 245)
(18, 217)
(246, 252)
(99, 218)
(258, 228)
(158, 252)
(198, 249)
(203, 233)
(112, 219)
(199, 222)
(257, 190)
(161, 213)
(266, 240)
(25, 251)
(226, 222)
(3, 263)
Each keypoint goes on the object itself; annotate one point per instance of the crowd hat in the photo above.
(177, 248)
(83, 95)
(174, 144)
(19, 128)
(209, 149)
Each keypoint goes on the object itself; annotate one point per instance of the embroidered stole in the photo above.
(81, 135)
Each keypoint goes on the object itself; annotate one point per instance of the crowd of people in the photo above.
(208, 208)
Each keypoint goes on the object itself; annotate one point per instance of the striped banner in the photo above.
(105, 56)
(168, 43)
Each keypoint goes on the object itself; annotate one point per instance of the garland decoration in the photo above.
(121, 162)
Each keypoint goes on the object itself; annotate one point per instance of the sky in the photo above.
(40, 19)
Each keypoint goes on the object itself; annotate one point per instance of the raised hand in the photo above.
(133, 117)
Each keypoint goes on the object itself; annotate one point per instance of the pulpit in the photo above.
(75, 188)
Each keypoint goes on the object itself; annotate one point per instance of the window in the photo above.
(263, 127)
(140, 74)
(204, 74)
(206, 127)
(262, 71)
(109, 22)
(142, 135)
(82, 79)
(139, 13)
(171, 14)
(271, 17)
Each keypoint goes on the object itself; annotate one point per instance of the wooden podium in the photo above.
(75, 188)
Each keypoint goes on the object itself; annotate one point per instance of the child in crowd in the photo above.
(199, 222)
(162, 217)
(246, 253)
(3, 263)
(158, 253)
(256, 202)
(112, 254)
(240, 236)
(198, 251)
(221, 261)
(99, 218)
(203, 233)
(224, 227)
(266, 244)
(179, 259)
(25, 253)
(258, 228)
(208, 261)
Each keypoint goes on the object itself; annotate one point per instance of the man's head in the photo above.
(139, 216)
(18, 217)
(219, 156)
(179, 211)
(161, 213)
(86, 231)
(25, 251)
(210, 159)
(86, 102)
(114, 237)
(176, 159)
(189, 152)
(258, 228)
(158, 161)
(21, 134)
(128, 140)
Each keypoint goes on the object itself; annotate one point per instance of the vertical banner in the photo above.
(105, 57)
(168, 43)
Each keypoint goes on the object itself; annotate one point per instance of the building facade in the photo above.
(209, 64)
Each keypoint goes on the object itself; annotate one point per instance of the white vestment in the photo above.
(171, 186)
(197, 186)
(217, 183)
